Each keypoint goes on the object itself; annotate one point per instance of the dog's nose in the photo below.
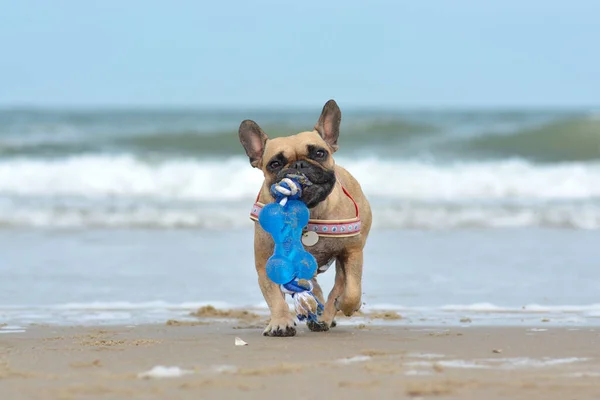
(300, 165)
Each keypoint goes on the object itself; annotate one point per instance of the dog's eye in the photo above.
(275, 164)
(320, 154)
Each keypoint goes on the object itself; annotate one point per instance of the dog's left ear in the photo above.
(328, 125)
(254, 140)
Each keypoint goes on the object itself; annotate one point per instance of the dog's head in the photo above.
(309, 153)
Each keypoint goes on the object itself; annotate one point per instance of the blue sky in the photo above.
(277, 53)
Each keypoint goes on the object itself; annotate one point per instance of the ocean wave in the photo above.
(128, 176)
(182, 133)
(549, 136)
(235, 215)
(125, 191)
(442, 216)
(233, 179)
(572, 139)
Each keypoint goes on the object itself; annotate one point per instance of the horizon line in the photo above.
(289, 107)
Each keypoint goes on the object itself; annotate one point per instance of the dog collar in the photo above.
(324, 227)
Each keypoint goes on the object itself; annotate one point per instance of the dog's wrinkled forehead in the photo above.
(293, 147)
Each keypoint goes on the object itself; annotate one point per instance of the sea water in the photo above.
(137, 216)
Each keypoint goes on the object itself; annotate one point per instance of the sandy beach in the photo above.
(198, 359)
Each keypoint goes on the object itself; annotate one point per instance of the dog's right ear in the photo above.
(253, 139)
(328, 125)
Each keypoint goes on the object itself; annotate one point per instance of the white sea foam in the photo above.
(125, 191)
(460, 364)
(118, 312)
(11, 329)
(126, 175)
(523, 362)
(485, 307)
(429, 356)
(15, 213)
(501, 363)
(184, 306)
(416, 372)
(352, 360)
(526, 309)
(145, 305)
(164, 372)
(223, 369)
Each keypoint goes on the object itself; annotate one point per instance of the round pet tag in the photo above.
(310, 238)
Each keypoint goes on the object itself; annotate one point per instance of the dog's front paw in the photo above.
(281, 327)
(320, 326)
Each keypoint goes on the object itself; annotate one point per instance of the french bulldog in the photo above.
(334, 196)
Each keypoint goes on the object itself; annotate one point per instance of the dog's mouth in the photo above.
(319, 186)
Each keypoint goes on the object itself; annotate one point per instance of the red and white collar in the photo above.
(324, 227)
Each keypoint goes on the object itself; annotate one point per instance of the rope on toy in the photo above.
(285, 189)
(306, 304)
(289, 188)
(291, 266)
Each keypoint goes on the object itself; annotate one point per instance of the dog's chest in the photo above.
(325, 251)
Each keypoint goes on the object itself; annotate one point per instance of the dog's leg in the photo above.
(281, 323)
(350, 299)
(320, 326)
(327, 319)
(317, 291)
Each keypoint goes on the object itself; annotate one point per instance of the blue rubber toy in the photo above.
(291, 266)
(289, 260)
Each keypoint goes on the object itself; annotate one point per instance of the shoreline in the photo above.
(180, 359)
(476, 315)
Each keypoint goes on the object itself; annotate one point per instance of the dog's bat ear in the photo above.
(328, 125)
(253, 139)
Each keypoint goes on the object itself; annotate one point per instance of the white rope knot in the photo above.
(287, 188)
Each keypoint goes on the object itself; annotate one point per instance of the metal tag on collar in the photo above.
(310, 238)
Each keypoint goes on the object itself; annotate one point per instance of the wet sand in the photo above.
(351, 361)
